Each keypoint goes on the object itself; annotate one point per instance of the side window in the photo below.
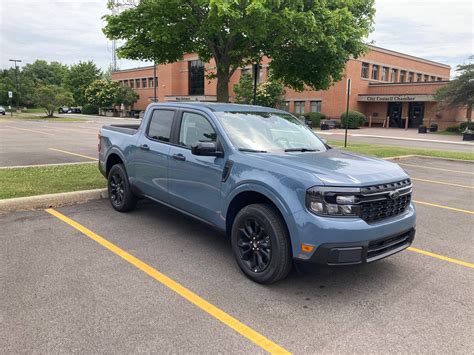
(160, 125)
(194, 129)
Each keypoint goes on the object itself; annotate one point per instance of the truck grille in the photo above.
(384, 201)
(381, 248)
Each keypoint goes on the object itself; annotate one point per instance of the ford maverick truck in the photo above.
(263, 178)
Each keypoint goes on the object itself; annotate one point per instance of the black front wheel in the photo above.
(260, 244)
(120, 194)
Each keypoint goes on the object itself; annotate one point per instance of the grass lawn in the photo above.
(448, 133)
(23, 182)
(384, 151)
(25, 116)
(33, 110)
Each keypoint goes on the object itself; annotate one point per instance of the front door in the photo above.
(416, 113)
(149, 167)
(395, 114)
(195, 181)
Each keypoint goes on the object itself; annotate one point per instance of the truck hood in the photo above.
(338, 168)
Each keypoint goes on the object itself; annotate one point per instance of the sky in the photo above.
(69, 31)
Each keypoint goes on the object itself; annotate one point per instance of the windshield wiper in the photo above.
(301, 150)
(252, 150)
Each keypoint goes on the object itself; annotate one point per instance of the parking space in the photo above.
(68, 292)
(31, 142)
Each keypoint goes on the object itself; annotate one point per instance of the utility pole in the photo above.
(155, 82)
(255, 73)
(17, 86)
(348, 93)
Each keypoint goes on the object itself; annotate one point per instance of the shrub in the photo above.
(315, 118)
(354, 120)
(466, 125)
(90, 110)
(452, 129)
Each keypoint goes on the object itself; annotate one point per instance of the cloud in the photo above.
(71, 30)
(437, 30)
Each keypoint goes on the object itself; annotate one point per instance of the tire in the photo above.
(120, 195)
(261, 244)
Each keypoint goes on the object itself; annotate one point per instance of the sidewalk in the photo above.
(397, 134)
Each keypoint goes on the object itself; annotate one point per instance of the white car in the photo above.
(2, 110)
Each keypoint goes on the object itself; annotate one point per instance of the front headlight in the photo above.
(333, 201)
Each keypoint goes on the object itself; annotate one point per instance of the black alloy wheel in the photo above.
(261, 244)
(254, 245)
(120, 195)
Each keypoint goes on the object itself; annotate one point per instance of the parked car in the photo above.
(65, 109)
(264, 179)
(2, 110)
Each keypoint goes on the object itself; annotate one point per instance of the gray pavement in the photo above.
(31, 142)
(63, 292)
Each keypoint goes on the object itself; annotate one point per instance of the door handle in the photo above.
(179, 157)
(144, 147)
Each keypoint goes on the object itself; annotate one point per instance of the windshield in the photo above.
(268, 132)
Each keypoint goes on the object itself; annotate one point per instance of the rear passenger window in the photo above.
(160, 125)
(194, 129)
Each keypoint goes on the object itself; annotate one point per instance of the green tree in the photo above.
(79, 77)
(269, 93)
(43, 73)
(459, 93)
(126, 96)
(50, 97)
(24, 91)
(102, 93)
(308, 41)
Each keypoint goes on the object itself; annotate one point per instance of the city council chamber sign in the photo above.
(395, 98)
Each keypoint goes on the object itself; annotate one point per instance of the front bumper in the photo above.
(362, 252)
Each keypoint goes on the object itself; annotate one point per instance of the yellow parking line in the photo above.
(443, 183)
(71, 153)
(441, 257)
(445, 207)
(441, 169)
(199, 302)
(30, 130)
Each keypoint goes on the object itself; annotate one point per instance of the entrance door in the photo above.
(416, 113)
(395, 114)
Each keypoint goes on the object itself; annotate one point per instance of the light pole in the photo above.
(17, 86)
(155, 82)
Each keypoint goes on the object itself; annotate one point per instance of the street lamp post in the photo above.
(17, 86)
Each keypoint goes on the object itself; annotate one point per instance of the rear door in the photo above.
(195, 181)
(151, 158)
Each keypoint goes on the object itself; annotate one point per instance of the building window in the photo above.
(137, 83)
(433, 78)
(144, 83)
(439, 79)
(299, 107)
(150, 82)
(315, 106)
(125, 82)
(418, 78)
(196, 77)
(384, 74)
(249, 71)
(410, 77)
(365, 70)
(375, 72)
(132, 83)
(403, 75)
(426, 77)
(393, 75)
(286, 106)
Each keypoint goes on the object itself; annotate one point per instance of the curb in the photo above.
(50, 200)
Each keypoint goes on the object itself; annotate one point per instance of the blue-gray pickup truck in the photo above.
(263, 178)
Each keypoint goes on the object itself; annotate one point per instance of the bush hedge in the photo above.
(354, 120)
(452, 129)
(464, 125)
(315, 118)
(90, 110)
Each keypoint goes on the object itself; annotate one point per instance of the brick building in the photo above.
(386, 86)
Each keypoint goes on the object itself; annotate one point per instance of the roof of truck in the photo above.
(219, 107)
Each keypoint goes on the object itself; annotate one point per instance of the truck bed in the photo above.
(130, 129)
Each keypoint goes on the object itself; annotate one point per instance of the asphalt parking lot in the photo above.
(31, 142)
(66, 288)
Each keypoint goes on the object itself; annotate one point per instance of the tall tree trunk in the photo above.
(223, 77)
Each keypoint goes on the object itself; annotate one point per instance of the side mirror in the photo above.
(206, 149)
